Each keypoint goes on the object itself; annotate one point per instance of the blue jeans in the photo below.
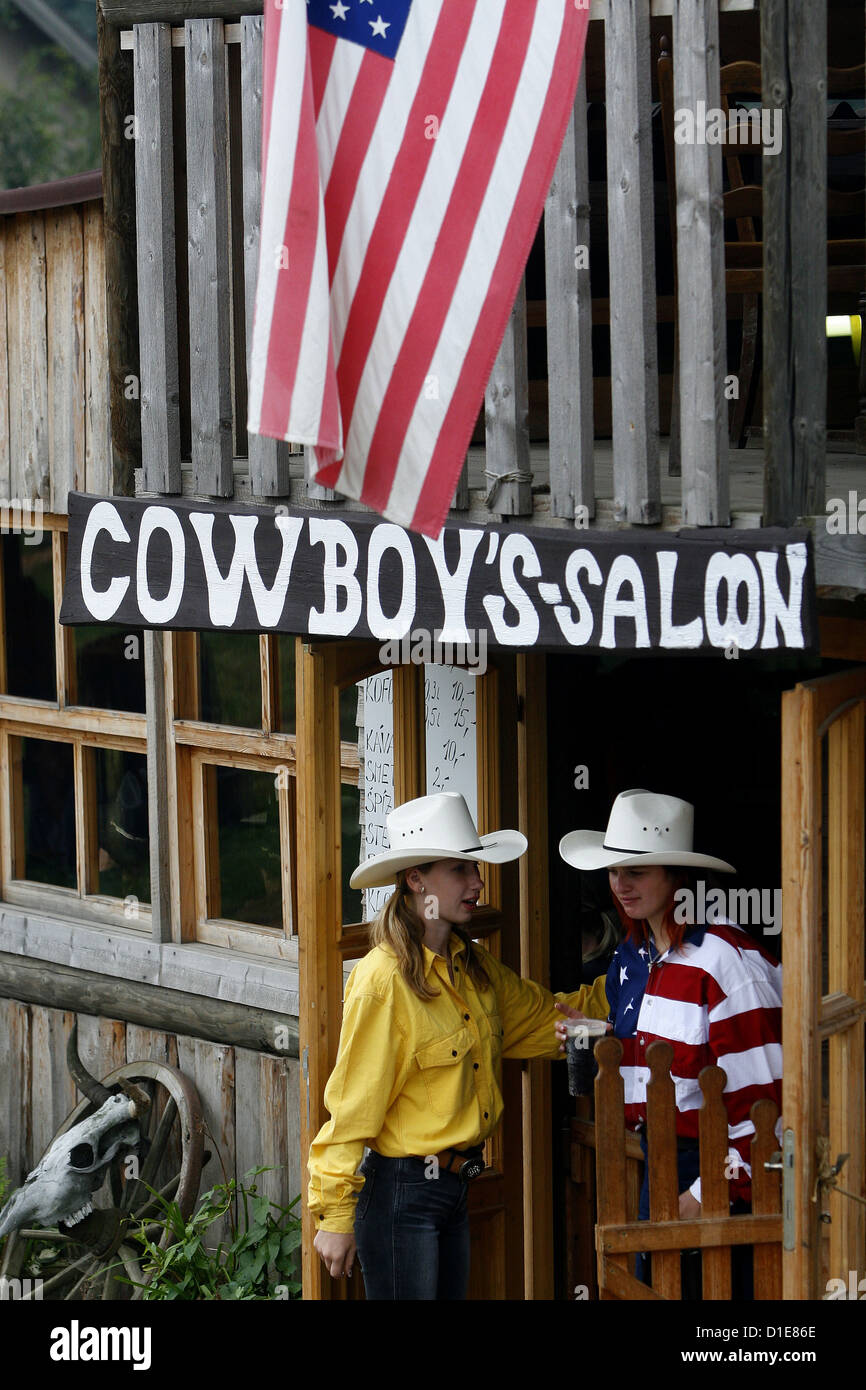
(412, 1231)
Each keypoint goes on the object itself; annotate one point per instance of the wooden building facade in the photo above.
(180, 807)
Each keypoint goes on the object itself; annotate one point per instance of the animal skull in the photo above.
(60, 1187)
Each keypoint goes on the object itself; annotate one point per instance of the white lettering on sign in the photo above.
(224, 593)
(335, 621)
(454, 584)
(102, 603)
(160, 610)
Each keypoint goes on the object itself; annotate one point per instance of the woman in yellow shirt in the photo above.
(427, 1018)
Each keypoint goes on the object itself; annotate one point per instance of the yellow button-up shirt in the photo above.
(415, 1076)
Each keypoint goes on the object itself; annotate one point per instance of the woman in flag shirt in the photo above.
(706, 988)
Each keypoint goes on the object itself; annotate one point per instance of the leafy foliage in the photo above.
(259, 1262)
(49, 122)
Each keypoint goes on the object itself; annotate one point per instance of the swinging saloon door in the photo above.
(824, 1011)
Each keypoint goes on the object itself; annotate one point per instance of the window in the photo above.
(234, 728)
(74, 827)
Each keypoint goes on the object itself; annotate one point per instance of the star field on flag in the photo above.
(375, 24)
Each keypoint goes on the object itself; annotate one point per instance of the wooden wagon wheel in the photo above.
(93, 1258)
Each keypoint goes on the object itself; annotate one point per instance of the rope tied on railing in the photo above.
(517, 475)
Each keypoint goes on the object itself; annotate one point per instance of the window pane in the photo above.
(353, 908)
(231, 681)
(248, 822)
(286, 669)
(109, 667)
(121, 792)
(349, 714)
(29, 592)
(47, 844)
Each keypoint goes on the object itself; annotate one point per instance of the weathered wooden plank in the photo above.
(703, 1233)
(212, 1068)
(807, 168)
(159, 825)
(15, 400)
(507, 470)
(777, 389)
(102, 1048)
(15, 1122)
(171, 1010)
(266, 1121)
(702, 327)
(662, 1146)
(53, 1093)
(155, 216)
(99, 465)
(269, 458)
(461, 491)
(569, 321)
(116, 104)
(30, 471)
(173, 11)
(634, 362)
(5, 386)
(64, 254)
(209, 281)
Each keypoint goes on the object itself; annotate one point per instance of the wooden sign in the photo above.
(171, 563)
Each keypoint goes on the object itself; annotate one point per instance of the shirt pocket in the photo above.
(446, 1067)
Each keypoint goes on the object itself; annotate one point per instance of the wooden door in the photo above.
(823, 775)
(326, 942)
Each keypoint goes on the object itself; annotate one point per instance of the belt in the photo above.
(471, 1162)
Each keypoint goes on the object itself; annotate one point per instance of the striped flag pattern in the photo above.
(718, 1001)
(408, 146)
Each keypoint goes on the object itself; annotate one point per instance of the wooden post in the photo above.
(807, 58)
(662, 1160)
(64, 255)
(535, 965)
(794, 76)
(631, 241)
(209, 287)
(158, 748)
(116, 105)
(569, 321)
(713, 1122)
(845, 913)
(155, 220)
(507, 470)
(610, 1140)
(319, 957)
(801, 912)
(700, 250)
(766, 1198)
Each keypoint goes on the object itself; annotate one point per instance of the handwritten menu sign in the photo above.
(449, 713)
(449, 717)
(377, 751)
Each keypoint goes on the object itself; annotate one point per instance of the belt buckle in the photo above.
(471, 1168)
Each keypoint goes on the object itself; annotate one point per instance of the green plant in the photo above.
(259, 1262)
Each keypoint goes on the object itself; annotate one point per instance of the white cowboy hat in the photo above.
(435, 827)
(644, 828)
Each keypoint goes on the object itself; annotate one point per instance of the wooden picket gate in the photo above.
(619, 1234)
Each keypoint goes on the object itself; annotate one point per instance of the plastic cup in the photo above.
(581, 1036)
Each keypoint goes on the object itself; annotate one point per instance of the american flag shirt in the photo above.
(717, 999)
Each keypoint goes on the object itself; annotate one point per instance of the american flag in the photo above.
(408, 146)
